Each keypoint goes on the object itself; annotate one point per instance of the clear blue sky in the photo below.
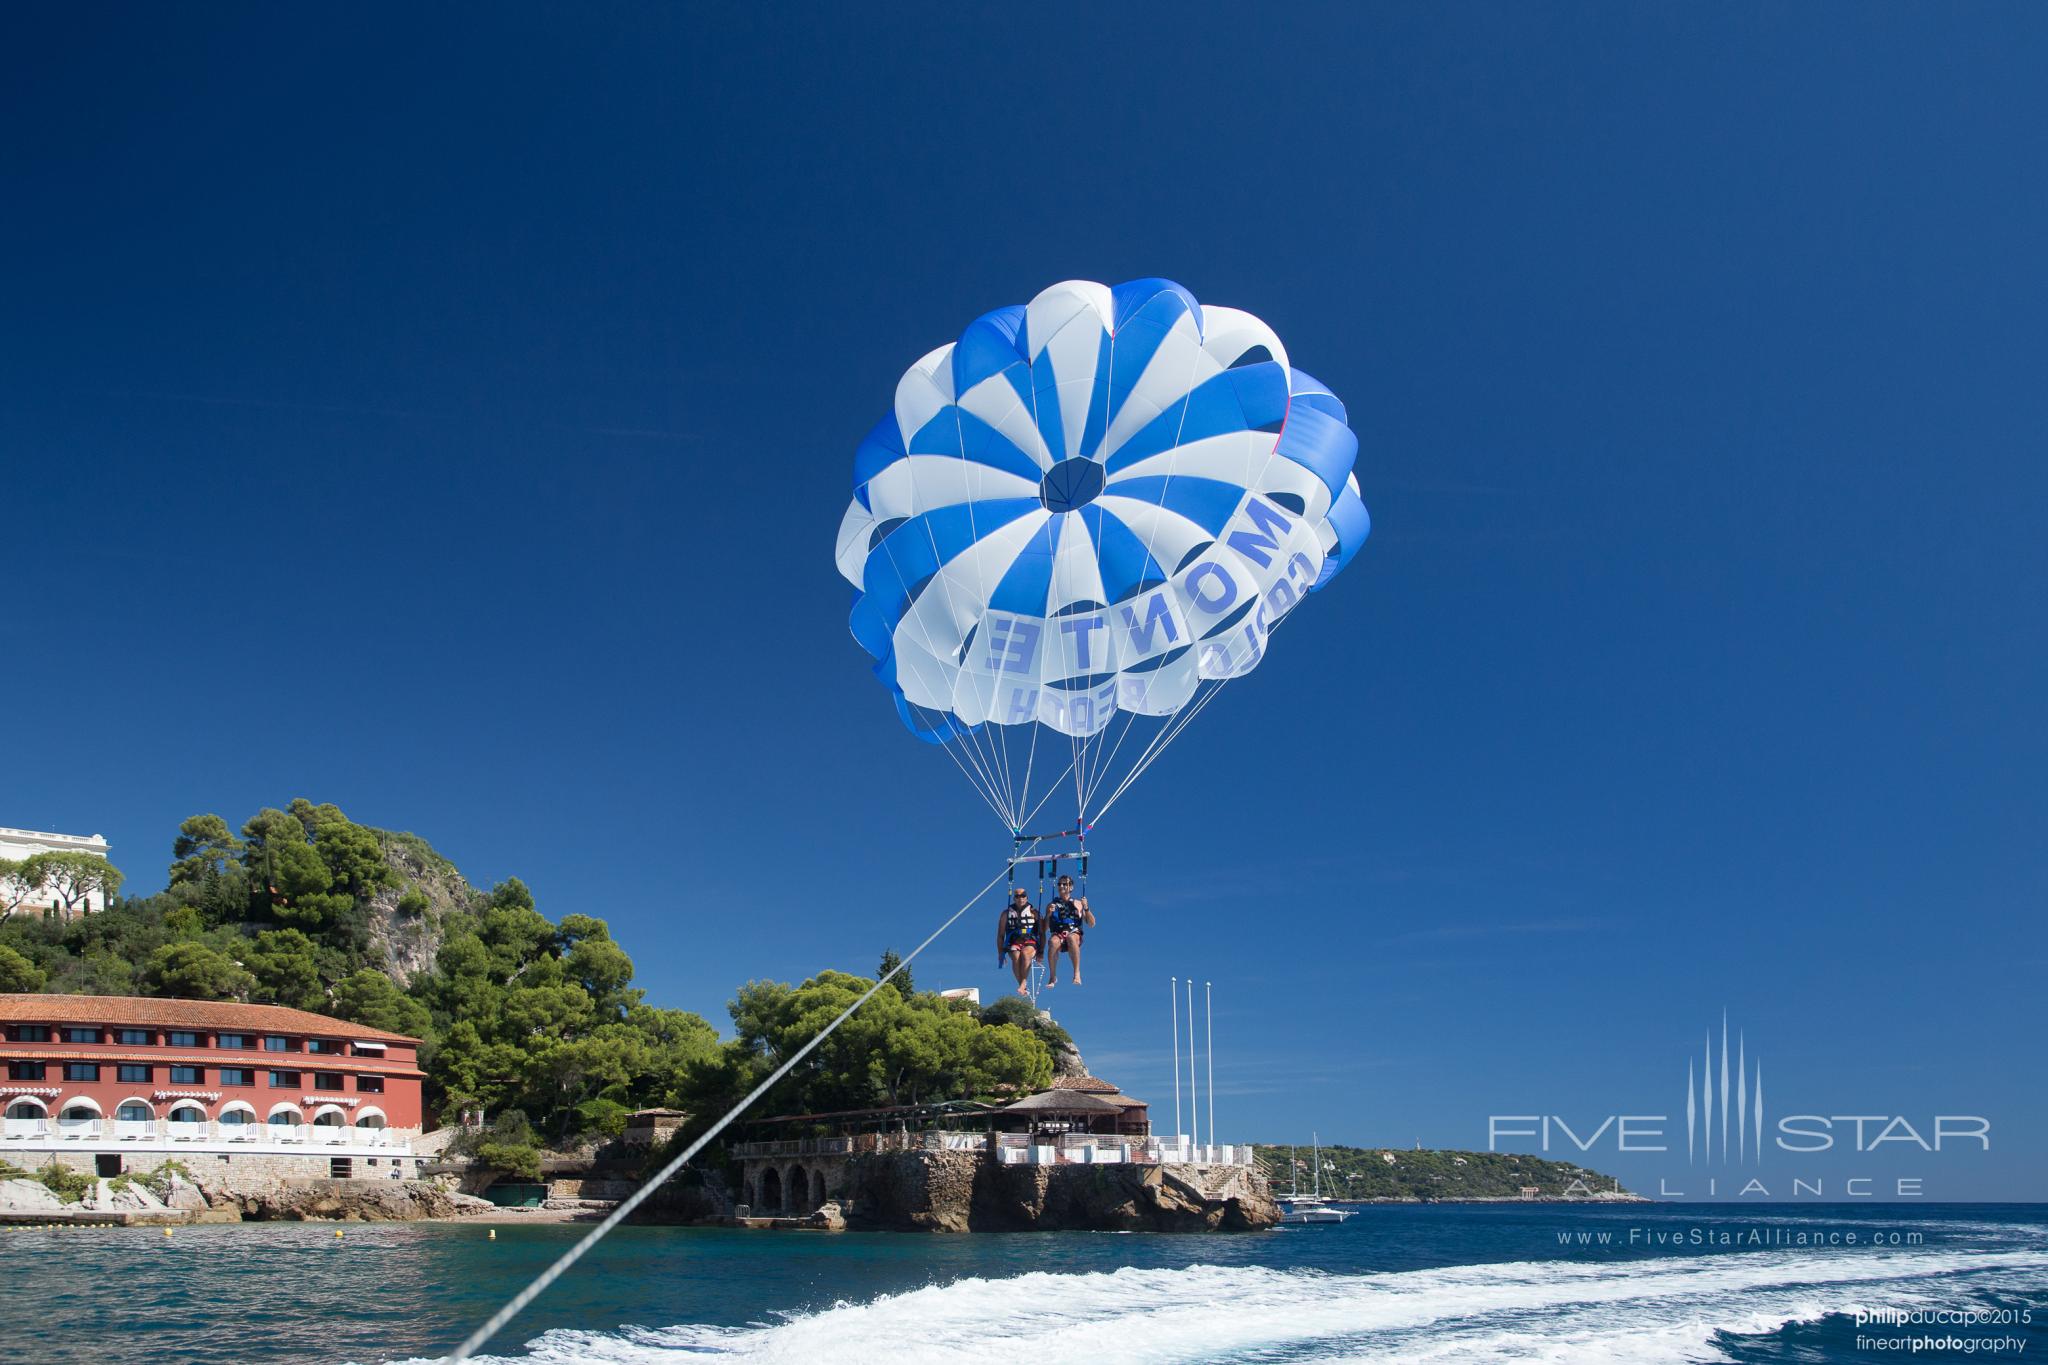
(448, 415)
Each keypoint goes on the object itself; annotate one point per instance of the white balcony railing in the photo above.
(1180, 1151)
(21, 1131)
(1019, 1149)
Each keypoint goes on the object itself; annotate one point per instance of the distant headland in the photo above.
(1396, 1175)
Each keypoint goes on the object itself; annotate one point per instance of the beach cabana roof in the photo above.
(1063, 1102)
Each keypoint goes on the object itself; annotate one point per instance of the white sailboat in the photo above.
(1298, 1209)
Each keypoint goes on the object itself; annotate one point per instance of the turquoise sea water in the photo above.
(1439, 1283)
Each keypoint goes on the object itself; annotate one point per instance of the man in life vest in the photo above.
(1065, 920)
(1019, 931)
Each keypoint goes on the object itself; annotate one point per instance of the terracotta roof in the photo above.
(114, 1011)
(1092, 1085)
(1064, 1102)
(251, 1060)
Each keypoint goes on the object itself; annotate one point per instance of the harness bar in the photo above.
(1082, 832)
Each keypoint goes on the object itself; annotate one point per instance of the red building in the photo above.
(101, 1072)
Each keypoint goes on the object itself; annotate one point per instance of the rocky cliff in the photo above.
(965, 1192)
(405, 920)
(177, 1199)
(366, 1201)
(1066, 1058)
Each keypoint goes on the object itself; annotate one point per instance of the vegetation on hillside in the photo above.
(518, 1014)
(60, 880)
(1366, 1173)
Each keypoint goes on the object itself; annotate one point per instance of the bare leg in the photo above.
(1020, 964)
(1074, 947)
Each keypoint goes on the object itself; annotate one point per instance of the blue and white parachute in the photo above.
(1085, 515)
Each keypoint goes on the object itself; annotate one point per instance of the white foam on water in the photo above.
(1641, 1312)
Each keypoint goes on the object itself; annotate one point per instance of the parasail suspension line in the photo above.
(1030, 758)
(1032, 814)
(1159, 745)
(981, 788)
(519, 1301)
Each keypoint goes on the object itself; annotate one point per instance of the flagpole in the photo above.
(1194, 1101)
(1209, 1028)
(1173, 994)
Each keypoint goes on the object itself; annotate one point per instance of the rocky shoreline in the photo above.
(944, 1192)
(130, 1202)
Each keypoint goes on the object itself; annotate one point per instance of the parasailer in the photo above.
(1080, 520)
(1020, 937)
(1067, 918)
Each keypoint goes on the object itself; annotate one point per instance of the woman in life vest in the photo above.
(1065, 920)
(1019, 931)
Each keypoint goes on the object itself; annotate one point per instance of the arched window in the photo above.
(134, 1111)
(329, 1118)
(235, 1117)
(370, 1118)
(284, 1118)
(79, 1111)
(188, 1113)
(27, 1109)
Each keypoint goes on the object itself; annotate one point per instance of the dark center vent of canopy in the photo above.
(1070, 485)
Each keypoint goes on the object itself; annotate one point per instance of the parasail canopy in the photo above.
(1082, 518)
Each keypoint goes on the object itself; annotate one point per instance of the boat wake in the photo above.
(1633, 1311)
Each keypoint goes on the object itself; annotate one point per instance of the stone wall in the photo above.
(234, 1174)
(801, 1184)
(965, 1192)
(599, 1189)
(262, 1187)
(912, 1191)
